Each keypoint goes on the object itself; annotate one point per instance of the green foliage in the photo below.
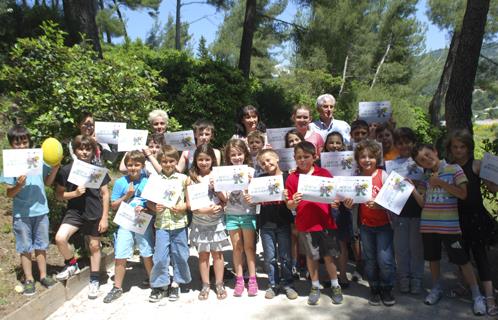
(108, 22)
(159, 37)
(490, 199)
(53, 85)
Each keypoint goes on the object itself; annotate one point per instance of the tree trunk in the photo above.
(344, 70)
(458, 104)
(106, 30)
(79, 16)
(247, 37)
(380, 64)
(178, 26)
(120, 17)
(442, 88)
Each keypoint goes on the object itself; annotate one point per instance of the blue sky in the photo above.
(205, 20)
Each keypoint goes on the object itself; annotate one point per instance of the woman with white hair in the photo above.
(158, 120)
(325, 105)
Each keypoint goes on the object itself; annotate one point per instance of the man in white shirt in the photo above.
(325, 105)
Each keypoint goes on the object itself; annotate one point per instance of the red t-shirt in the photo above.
(374, 217)
(311, 216)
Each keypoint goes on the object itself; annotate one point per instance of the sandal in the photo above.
(221, 292)
(204, 294)
(491, 307)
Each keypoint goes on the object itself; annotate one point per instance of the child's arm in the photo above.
(217, 154)
(106, 198)
(122, 165)
(459, 191)
(182, 163)
(62, 195)
(13, 190)
(49, 179)
(292, 203)
(153, 160)
(116, 203)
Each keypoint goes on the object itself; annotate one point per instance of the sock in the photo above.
(334, 283)
(475, 291)
(315, 284)
(94, 276)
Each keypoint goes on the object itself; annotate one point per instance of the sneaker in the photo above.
(404, 285)
(415, 286)
(290, 293)
(252, 287)
(434, 296)
(387, 297)
(337, 295)
(114, 294)
(270, 293)
(174, 293)
(239, 287)
(479, 306)
(374, 299)
(93, 289)
(48, 282)
(29, 288)
(67, 272)
(157, 294)
(314, 296)
(356, 276)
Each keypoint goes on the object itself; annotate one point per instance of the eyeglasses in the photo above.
(88, 125)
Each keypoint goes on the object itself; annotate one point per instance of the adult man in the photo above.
(325, 105)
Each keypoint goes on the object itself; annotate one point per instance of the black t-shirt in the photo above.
(274, 214)
(411, 209)
(89, 205)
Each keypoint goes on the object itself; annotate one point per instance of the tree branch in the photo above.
(381, 63)
(284, 22)
(489, 60)
(193, 2)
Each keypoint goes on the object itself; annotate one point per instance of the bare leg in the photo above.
(238, 250)
(148, 265)
(204, 266)
(94, 246)
(62, 240)
(435, 271)
(119, 272)
(27, 266)
(312, 268)
(331, 268)
(218, 265)
(41, 259)
(250, 250)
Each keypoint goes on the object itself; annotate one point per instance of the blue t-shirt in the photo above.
(122, 185)
(31, 201)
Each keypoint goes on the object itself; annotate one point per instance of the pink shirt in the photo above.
(317, 141)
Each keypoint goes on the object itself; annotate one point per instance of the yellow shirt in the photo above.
(168, 220)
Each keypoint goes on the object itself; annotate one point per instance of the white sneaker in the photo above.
(93, 289)
(67, 272)
(479, 306)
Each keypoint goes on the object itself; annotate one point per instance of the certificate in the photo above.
(162, 191)
(394, 193)
(87, 175)
(108, 132)
(380, 111)
(132, 139)
(181, 140)
(489, 168)
(276, 137)
(231, 178)
(406, 167)
(267, 189)
(19, 162)
(199, 196)
(339, 163)
(286, 160)
(127, 219)
(316, 189)
(359, 188)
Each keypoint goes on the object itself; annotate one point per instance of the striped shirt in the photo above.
(440, 212)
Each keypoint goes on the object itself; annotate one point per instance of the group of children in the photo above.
(444, 208)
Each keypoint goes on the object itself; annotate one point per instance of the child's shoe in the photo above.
(290, 293)
(337, 295)
(239, 287)
(387, 297)
(174, 293)
(479, 306)
(93, 290)
(114, 294)
(314, 296)
(374, 299)
(157, 294)
(29, 288)
(270, 293)
(67, 272)
(48, 282)
(252, 287)
(434, 296)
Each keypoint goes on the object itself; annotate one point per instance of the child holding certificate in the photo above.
(171, 234)
(208, 223)
(129, 189)
(376, 233)
(30, 213)
(241, 222)
(274, 222)
(316, 226)
(87, 210)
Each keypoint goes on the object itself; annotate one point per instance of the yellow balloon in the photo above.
(52, 151)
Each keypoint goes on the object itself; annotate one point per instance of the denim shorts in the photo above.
(126, 239)
(234, 222)
(31, 233)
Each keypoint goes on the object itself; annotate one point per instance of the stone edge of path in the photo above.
(51, 299)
